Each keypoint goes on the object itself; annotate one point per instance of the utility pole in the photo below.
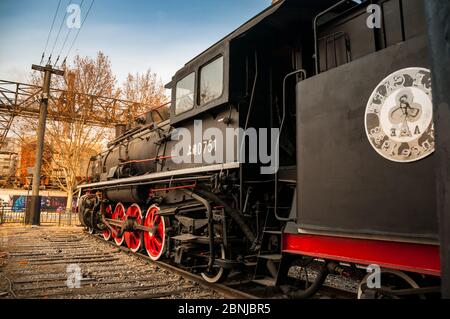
(437, 13)
(33, 215)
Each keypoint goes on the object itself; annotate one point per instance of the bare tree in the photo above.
(147, 90)
(74, 140)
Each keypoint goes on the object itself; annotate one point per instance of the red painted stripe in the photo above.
(147, 160)
(418, 258)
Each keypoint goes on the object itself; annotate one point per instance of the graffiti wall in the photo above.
(53, 204)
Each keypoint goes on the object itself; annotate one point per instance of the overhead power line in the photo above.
(78, 33)
(59, 32)
(66, 38)
(50, 32)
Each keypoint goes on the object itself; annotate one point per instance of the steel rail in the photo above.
(230, 293)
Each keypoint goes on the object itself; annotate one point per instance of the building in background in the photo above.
(17, 160)
(27, 161)
(9, 158)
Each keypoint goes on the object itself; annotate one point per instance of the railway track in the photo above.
(237, 288)
(44, 263)
(66, 263)
(219, 288)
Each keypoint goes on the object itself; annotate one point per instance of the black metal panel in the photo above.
(438, 29)
(392, 22)
(401, 20)
(414, 18)
(361, 38)
(343, 184)
(221, 119)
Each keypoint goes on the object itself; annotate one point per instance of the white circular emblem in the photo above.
(399, 116)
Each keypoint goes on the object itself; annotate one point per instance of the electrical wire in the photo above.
(59, 32)
(66, 38)
(50, 32)
(78, 33)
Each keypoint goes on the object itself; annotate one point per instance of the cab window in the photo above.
(185, 94)
(211, 81)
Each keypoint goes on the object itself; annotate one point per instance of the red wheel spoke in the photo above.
(133, 239)
(118, 214)
(152, 246)
(160, 228)
(158, 243)
(154, 240)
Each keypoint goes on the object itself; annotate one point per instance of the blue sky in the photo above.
(135, 34)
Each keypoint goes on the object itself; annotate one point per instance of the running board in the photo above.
(161, 175)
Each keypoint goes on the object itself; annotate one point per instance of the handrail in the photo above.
(316, 19)
(153, 109)
(303, 72)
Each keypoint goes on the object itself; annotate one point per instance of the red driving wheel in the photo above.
(134, 239)
(108, 214)
(119, 214)
(155, 240)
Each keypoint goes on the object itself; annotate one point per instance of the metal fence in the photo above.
(16, 215)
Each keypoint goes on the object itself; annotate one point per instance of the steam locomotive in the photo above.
(345, 184)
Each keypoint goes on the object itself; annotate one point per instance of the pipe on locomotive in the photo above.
(234, 214)
(316, 41)
(303, 72)
(209, 213)
(127, 185)
(250, 107)
(316, 285)
(155, 109)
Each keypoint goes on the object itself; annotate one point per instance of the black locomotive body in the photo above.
(348, 182)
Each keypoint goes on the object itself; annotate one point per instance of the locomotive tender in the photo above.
(354, 183)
